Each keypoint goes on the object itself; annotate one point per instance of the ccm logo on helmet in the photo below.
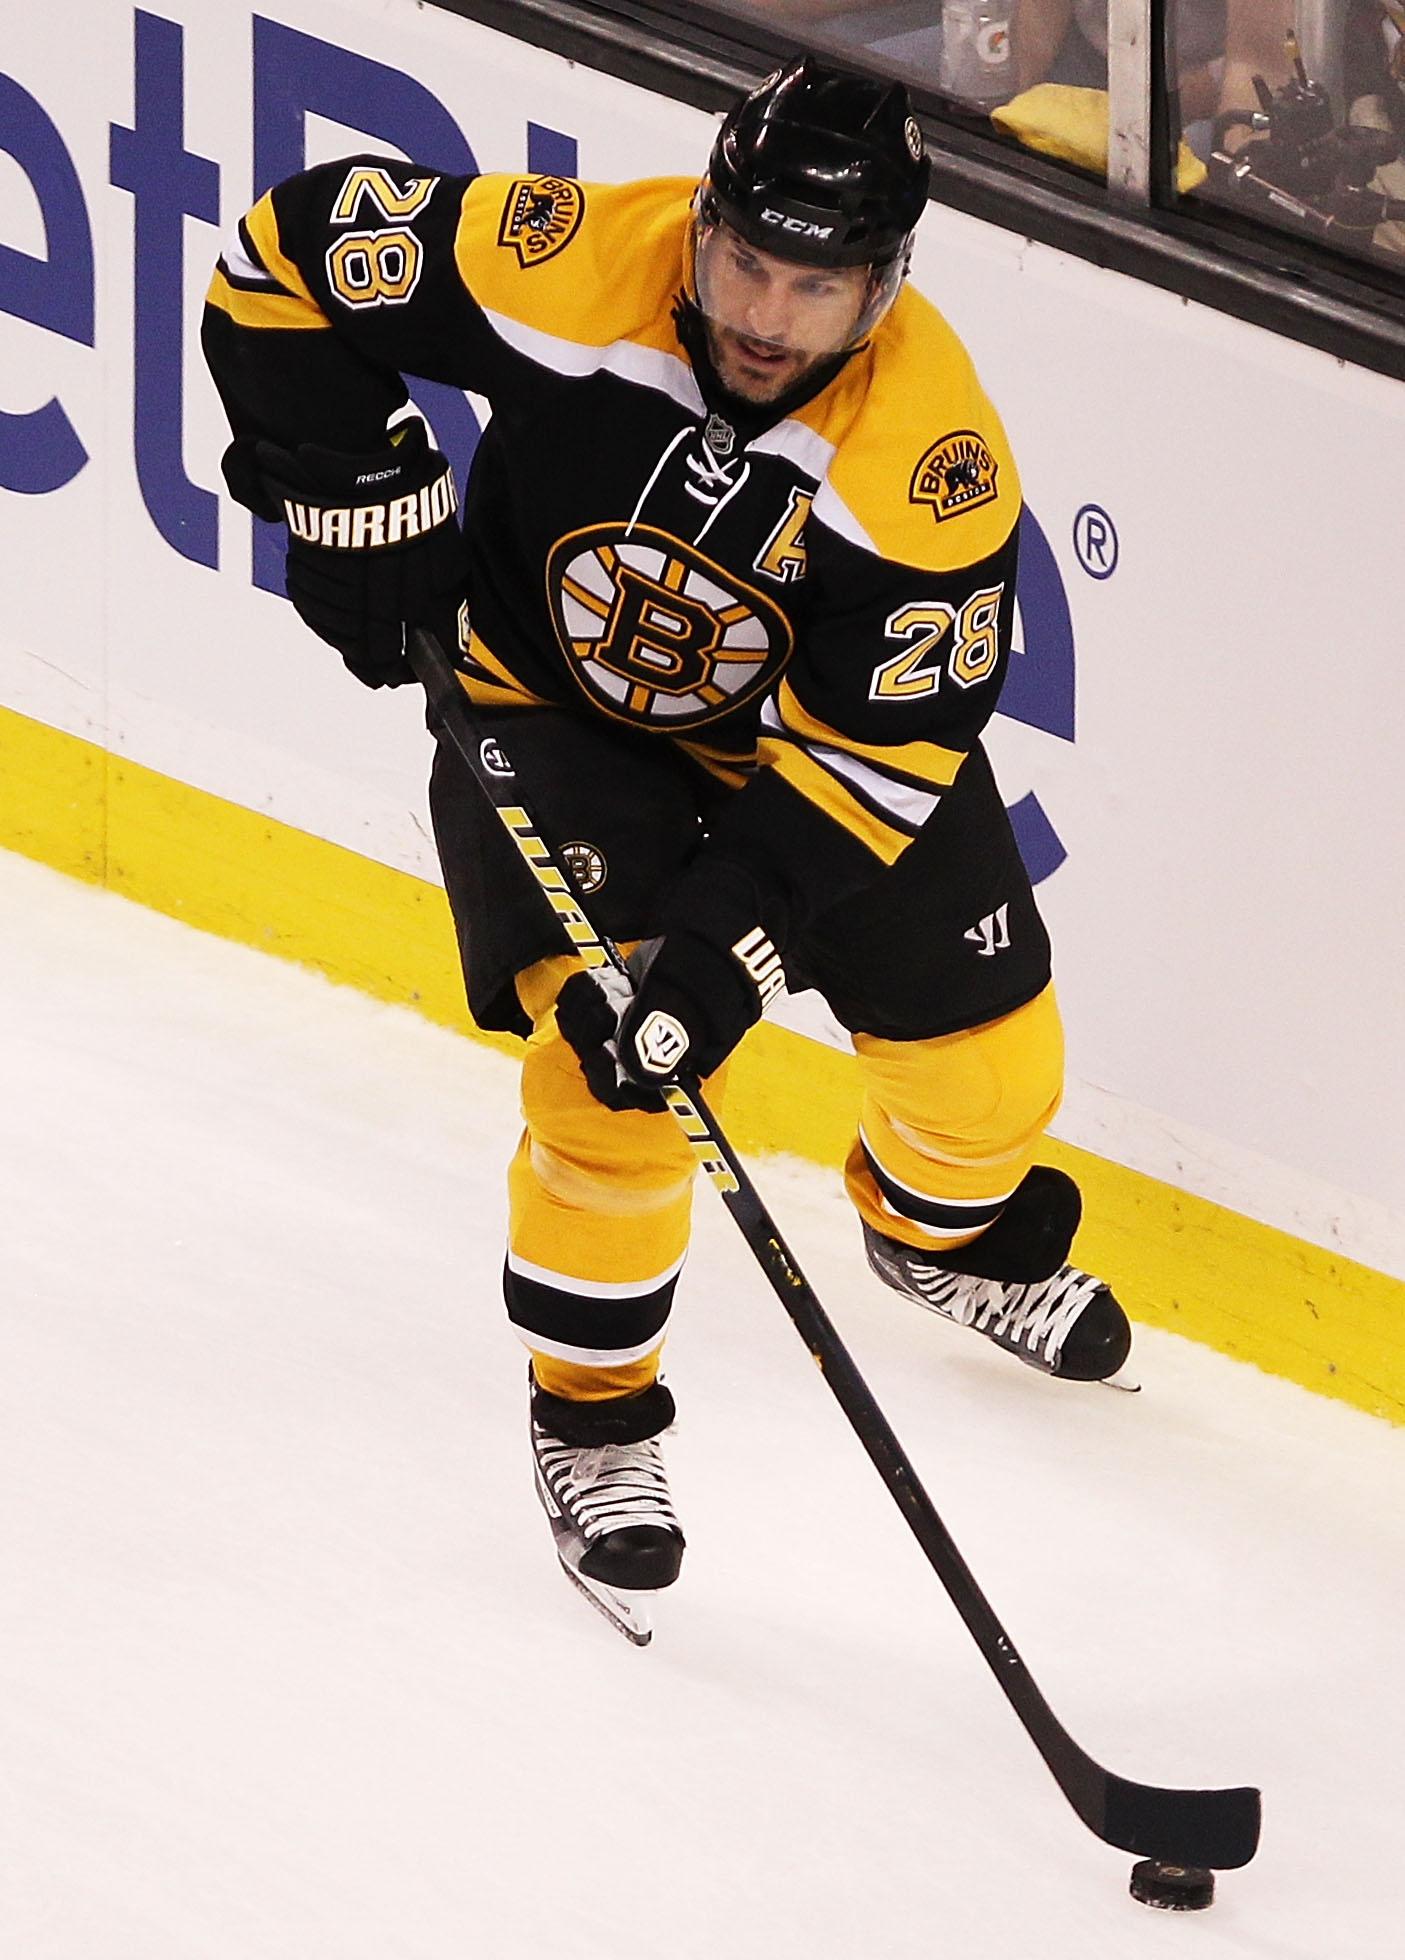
(802, 227)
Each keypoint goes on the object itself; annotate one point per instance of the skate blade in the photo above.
(1123, 1380)
(628, 1613)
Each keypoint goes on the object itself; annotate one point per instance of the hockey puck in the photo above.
(1175, 1888)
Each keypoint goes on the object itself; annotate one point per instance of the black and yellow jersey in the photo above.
(820, 615)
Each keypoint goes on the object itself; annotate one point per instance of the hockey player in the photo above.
(734, 591)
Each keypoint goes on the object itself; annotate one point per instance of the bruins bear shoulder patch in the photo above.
(540, 217)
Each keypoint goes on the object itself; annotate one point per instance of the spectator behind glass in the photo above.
(998, 49)
(1373, 66)
(1219, 46)
(905, 34)
(1256, 43)
(1327, 163)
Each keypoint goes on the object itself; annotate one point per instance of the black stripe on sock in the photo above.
(931, 1212)
(583, 1321)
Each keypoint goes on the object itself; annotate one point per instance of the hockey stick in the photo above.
(1218, 1829)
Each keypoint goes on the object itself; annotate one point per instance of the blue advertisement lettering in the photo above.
(168, 185)
(41, 451)
(550, 153)
(1039, 686)
(295, 76)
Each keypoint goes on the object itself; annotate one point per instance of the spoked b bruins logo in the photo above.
(586, 864)
(541, 217)
(655, 632)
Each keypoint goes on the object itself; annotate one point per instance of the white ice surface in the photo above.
(287, 1671)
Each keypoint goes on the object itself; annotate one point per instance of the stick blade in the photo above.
(1217, 1830)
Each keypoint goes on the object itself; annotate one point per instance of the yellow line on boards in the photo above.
(1177, 1261)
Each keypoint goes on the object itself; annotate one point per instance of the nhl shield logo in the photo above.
(956, 474)
(720, 436)
(541, 217)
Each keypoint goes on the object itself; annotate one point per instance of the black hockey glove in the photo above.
(373, 545)
(698, 989)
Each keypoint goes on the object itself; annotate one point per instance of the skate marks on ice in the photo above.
(288, 1665)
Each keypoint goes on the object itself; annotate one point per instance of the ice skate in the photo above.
(605, 1492)
(1069, 1325)
(1013, 1284)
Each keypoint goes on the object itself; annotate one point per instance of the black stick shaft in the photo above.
(1215, 1828)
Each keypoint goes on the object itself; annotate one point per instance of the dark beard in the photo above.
(749, 419)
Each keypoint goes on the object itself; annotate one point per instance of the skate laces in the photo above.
(1037, 1316)
(608, 1488)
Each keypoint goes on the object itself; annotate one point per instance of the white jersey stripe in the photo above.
(798, 445)
(584, 1357)
(238, 265)
(649, 367)
(927, 1197)
(812, 453)
(672, 375)
(924, 1225)
(829, 508)
(593, 1289)
(910, 806)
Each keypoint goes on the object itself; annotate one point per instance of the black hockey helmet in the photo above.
(820, 166)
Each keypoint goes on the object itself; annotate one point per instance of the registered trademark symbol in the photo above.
(1095, 541)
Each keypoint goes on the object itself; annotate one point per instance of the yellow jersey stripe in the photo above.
(817, 786)
(908, 392)
(487, 659)
(590, 289)
(486, 693)
(262, 226)
(247, 308)
(730, 773)
(925, 762)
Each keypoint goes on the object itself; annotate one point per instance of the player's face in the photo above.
(769, 320)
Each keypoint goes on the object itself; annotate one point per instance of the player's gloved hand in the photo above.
(374, 546)
(589, 1010)
(697, 991)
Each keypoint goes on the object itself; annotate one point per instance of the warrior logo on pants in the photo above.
(655, 632)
